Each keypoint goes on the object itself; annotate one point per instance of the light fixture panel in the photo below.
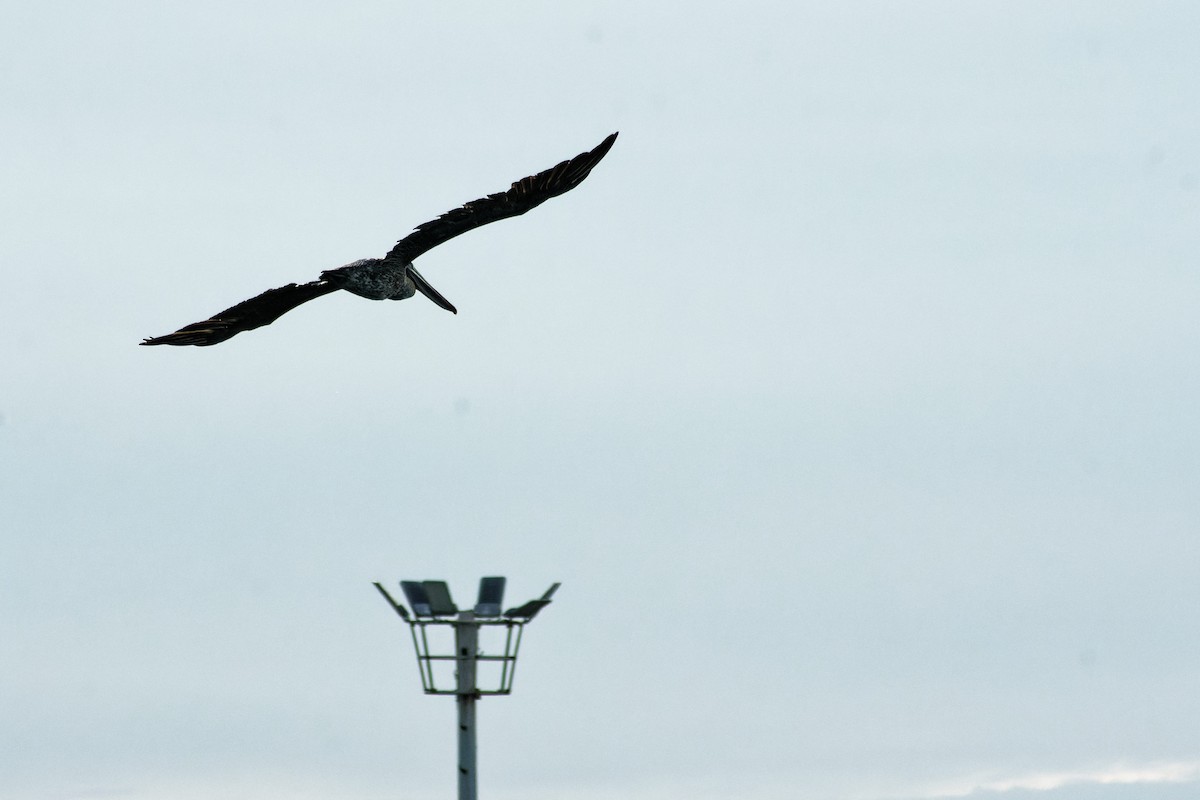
(440, 602)
(491, 597)
(418, 598)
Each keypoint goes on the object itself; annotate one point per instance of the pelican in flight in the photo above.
(392, 277)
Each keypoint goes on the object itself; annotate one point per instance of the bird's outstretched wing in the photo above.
(524, 195)
(253, 313)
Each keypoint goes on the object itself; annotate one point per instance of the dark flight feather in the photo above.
(524, 195)
(247, 315)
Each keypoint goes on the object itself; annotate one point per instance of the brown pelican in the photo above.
(393, 277)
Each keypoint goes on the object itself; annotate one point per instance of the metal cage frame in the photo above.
(425, 657)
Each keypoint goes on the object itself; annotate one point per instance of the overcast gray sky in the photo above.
(853, 398)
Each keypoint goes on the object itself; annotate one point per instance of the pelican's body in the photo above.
(392, 277)
(374, 279)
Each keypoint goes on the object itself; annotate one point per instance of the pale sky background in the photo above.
(853, 398)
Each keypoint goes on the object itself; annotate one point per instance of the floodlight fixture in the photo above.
(432, 606)
(491, 597)
(440, 602)
(529, 610)
(418, 598)
(401, 610)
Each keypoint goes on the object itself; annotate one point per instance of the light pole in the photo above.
(432, 606)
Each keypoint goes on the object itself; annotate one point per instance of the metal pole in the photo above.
(466, 646)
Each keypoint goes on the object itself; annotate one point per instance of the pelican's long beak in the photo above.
(433, 294)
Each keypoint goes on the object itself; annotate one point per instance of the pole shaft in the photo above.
(466, 646)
